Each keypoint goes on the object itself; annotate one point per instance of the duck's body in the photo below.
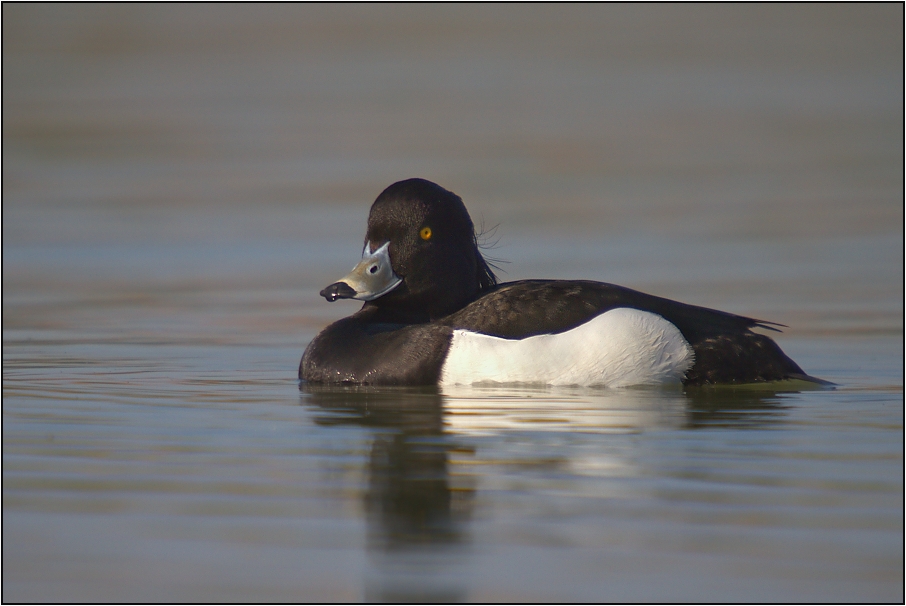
(435, 315)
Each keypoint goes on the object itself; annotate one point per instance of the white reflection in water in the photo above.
(482, 410)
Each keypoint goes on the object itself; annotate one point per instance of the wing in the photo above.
(515, 310)
(726, 350)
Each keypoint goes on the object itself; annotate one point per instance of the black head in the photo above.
(432, 249)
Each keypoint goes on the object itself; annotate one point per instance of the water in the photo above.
(180, 181)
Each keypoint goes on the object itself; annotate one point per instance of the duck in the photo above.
(434, 314)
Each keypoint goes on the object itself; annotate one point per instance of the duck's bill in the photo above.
(373, 277)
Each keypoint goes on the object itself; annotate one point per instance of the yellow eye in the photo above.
(425, 233)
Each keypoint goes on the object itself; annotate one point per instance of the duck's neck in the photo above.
(413, 310)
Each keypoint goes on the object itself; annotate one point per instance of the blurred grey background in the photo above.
(748, 156)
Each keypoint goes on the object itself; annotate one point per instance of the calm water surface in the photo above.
(179, 182)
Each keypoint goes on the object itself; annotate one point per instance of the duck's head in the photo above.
(420, 257)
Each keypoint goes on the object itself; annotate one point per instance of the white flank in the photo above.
(619, 348)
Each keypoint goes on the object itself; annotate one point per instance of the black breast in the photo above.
(356, 351)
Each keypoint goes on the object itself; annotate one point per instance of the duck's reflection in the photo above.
(740, 408)
(409, 500)
(482, 410)
(412, 510)
(416, 509)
